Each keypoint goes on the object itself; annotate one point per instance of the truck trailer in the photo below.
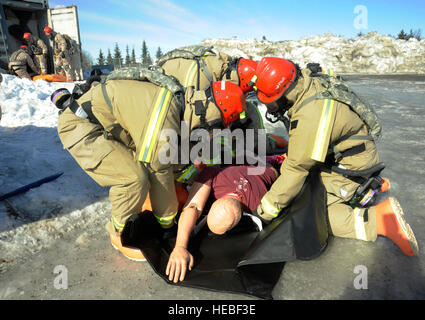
(18, 17)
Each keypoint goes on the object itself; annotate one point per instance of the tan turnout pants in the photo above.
(111, 164)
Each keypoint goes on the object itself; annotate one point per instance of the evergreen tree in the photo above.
(118, 63)
(402, 35)
(100, 59)
(86, 60)
(158, 54)
(417, 34)
(133, 57)
(127, 57)
(109, 59)
(146, 58)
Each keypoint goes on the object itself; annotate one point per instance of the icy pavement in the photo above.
(61, 222)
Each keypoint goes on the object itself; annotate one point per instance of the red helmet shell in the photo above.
(230, 99)
(48, 31)
(274, 75)
(246, 70)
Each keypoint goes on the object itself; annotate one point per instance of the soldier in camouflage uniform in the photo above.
(19, 62)
(39, 49)
(118, 141)
(330, 129)
(62, 58)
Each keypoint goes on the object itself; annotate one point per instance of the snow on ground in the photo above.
(73, 206)
(371, 53)
(30, 150)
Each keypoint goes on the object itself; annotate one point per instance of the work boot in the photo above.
(390, 223)
(129, 252)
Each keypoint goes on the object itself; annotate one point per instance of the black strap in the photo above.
(73, 106)
(106, 97)
(232, 66)
(198, 80)
(109, 129)
(349, 152)
(200, 111)
(87, 107)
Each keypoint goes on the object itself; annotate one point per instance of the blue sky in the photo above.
(174, 23)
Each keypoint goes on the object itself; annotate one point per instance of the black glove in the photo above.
(314, 67)
(63, 55)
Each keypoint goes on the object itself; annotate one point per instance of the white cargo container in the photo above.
(18, 17)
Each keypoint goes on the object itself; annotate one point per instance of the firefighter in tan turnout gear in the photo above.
(19, 62)
(61, 49)
(113, 132)
(39, 49)
(333, 130)
(197, 66)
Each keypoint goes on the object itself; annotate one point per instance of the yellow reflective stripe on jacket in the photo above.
(330, 72)
(191, 74)
(187, 174)
(117, 225)
(165, 221)
(154, 125)
(359, 225)
(324, 131)
(269, 208)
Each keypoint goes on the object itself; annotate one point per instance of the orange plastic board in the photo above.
(51, 78)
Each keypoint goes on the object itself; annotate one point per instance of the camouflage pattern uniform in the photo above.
(39, 48)
(127, 159)
(62, 58)
(318, 128)
(19, 61)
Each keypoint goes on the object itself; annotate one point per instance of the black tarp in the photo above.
(244, 260)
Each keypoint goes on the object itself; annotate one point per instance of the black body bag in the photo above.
(244, 260)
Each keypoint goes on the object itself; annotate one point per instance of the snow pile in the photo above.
(371, 53)
(30, 150)
(26, 102)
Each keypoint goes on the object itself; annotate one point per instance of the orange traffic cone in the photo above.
(390, 223)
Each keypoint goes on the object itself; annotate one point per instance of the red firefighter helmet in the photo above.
(230, 99)
(48, 31)
(27, 35)
(246, 70)
(272, 78)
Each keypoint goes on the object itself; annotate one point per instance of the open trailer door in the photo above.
(64, 20)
